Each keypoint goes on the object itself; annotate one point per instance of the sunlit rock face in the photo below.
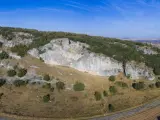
(19, 38)
(75, 54)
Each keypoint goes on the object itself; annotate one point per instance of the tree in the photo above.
(112, 89)
(138, 86)
(2, 82)
(78, 86)
(21, 50)
(158, 84)
(97, 96)
(19, 83)
(1, 44)
(60, 85)
(11, 73)
(46, 98)
(110, 108)
(46, 77)
(4, 55)
(22, 72)
(105, 94)
(112, 78)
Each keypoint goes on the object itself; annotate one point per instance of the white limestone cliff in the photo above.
(75, 54)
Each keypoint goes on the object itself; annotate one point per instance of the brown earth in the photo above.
(27, 100)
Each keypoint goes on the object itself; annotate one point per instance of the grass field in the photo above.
(28, 100)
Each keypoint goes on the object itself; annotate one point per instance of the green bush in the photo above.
(151, 86)
(11, 73)
(1, 94)
(78, 86)
(97, 96)
(156, 70)
(21, 50)
(46, 77)
(105, 94)
(112, 78)
(112, 89)
(121, 84)
(47, 86)
(138, 86)
(157, 84)
(41, 59)
(1, 44)
(19, 83)
(110, 107)
(46, 98)
(4, 55)
(2, 82)
(60, 85)
(22, 72)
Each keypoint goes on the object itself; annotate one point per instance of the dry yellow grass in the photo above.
(27, 100)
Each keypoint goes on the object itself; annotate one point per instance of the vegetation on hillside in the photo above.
(120, 50)
(11, 73)
(78, 86)
(2, 82)
(4, 55)
(97, 96)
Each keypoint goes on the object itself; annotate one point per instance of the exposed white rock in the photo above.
(34, 52)
(6, 64)
(13, 55)
(74, 54)
(146, 50)
(139, 71)
(20, 38)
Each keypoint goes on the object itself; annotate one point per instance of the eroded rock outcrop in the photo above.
(75, 54)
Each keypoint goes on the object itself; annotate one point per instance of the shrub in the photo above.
(97, 96)
(4, 55)
(121, 84)
(78, 86)
(1, 44)
(60, 85)
(22, 72)
(46, 77)
(47, 86)
(138, 86)
(21, 50)
(1, 94)
(112, 78)
(105, 94)
(41, 59)
(11, 73)
(52, 89)
(19, 83)
(156, 71)
(112, 89)
(151, 86)
(128, 76)
(110, 108)
(46, 98)
(2, 82)
(157, 84)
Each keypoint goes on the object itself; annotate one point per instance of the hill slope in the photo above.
(124, 52)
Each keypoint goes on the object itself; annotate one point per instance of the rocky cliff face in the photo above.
(19, 38)
(75, 54)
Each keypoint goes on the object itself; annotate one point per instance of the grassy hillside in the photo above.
(118, 49)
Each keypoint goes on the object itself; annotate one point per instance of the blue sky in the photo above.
(111, 18)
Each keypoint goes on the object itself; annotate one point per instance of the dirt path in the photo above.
(145, 112)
